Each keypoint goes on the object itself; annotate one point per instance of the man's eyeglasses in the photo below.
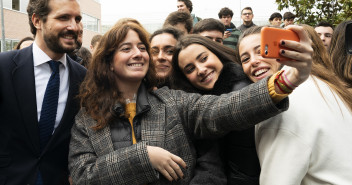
(247, 14)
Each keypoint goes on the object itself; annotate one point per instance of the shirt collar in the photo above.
(40, 57)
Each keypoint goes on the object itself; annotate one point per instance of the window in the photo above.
(90, 23)
(9, 44)
(16, 5)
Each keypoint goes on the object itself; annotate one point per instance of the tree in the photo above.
(313, 11)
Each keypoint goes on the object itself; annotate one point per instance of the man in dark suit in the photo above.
(34, 126)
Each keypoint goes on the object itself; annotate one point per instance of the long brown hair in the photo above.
(321, 66)
(99, 91)
(341, 61)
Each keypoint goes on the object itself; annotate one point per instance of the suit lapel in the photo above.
(24, 86)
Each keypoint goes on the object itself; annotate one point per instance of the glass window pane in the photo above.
(16, 5)
(8, 45)
(89, 22)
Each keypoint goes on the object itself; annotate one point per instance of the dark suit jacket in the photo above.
(20, 156)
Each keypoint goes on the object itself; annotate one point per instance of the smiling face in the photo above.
(181, 6)
(59, 33)
(131, 60)
(163, 46)
(254, 65)
(201, 67)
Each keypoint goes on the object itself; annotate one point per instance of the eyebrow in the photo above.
(255, 48)
(197, 58)
(165, 47)
(130, 44)
(168, 46)
(123, 44)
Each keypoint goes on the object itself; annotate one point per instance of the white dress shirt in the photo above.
(42, 73)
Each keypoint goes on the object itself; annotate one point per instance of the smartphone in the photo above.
(230, 30)
(348, 38)
(270, 41)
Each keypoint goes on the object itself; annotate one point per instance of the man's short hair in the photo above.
(247, 8)
(41, 9)
(324, 24)
(225, 12)
(179, 17)
(188, 4)
(95, 39)
(209, 24)
(289, 15)
(275, 15)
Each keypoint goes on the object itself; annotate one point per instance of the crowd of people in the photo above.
(194, 102)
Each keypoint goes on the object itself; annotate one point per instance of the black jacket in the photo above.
(238, 147)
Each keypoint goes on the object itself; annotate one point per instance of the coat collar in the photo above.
(142, 104)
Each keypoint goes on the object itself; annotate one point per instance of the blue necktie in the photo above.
(49, 107)
(49, 110)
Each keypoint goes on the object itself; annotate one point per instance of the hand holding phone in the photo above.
(270, 41)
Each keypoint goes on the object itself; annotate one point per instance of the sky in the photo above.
(155, 11)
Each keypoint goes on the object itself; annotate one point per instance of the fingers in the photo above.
(299, 30)
(166, 163)
(176, 161)
(172, 172)
(179, 161)
(298, 51)
(166, 174)
(296, 55)
(173, 168)
(299, 55)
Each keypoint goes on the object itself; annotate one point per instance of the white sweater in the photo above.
(309, 144)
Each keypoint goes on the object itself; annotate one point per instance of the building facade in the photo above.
(17, 27)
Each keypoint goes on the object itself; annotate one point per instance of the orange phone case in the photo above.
(270, 41)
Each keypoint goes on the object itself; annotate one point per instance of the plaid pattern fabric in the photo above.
(174, 119)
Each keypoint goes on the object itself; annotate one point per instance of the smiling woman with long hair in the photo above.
(311, 142)
(126, 133)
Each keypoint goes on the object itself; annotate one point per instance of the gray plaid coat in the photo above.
(174, 119)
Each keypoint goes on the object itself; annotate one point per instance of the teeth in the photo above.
(68, 37)
(208, 77)
(136, 65)
(259, 72)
